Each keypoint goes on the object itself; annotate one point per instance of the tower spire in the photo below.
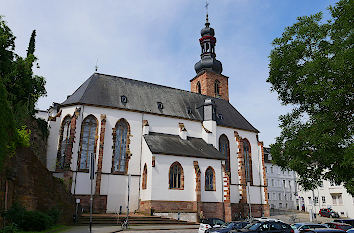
(207, 43)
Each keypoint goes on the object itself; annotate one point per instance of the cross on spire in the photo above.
(206, 9)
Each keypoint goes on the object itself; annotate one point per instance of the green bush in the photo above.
(30, 220)
(12, 228)
(36, 221)
(54, 213)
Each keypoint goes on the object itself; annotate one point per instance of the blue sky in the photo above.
(157, 41)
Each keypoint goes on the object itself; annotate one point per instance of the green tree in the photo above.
(19, 91)
(311, 69)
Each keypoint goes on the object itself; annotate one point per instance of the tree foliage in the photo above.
(20, 89)
(311, 68)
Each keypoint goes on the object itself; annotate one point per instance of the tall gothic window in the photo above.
(209, 179)
(87, 141)
(64, 141)
(225, 150)
(199, 88)
(176, 178)
(217, 88)
(248, 160)
(120, 149)
(144, 177)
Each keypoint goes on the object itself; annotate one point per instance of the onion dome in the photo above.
(207, 43)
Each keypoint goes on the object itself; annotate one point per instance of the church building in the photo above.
(185, 152)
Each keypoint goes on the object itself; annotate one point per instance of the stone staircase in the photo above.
(134, 220)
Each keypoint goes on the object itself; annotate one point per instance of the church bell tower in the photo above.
(209, 80)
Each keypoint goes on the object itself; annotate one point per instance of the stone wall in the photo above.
(27, 181)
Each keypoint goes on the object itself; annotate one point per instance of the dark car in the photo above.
(208, 223)
(227, 227)
(347, 221)
(267, 226)
(339, 225)
(324, 230)
(329, 213)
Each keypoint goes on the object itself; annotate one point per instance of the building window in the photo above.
(271, 169)
(248, 161)
(316, 200)
(225, 150)
(176, 177)
(323, 199)
(120, 148)
(217, 88)
(87, 141)
(272, 182)
(209, 179)
(283, 183)
(289, 184)
(63, 141)
(337, 199)
(144, 177)
(279, 195)
(199, 88)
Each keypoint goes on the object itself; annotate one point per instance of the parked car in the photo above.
(227, 227)
(267, 226)
(350, 230)
(347, 221)
(302, 226)
(208, 223)
(339, 225)
(329, 213)
(324, 230)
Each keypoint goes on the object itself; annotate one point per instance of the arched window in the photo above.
(120, 149)
(176, 177)
(224, 148)
(199, 88)
(144, 177)
(87, 141)
(217, 88)
(248, 160)
(209, 179)
(63, 141)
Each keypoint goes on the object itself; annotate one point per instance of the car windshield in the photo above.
(296, 226)
(345, 227)
(227, 225)
(253, 226)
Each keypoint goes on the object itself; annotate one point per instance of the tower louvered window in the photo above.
(88, 141)
(120, 154)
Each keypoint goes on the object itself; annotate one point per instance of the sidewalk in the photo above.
(113, 229)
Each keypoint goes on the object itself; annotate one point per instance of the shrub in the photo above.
(36, 221)
(30, 220)
(54, 213)
(12, 228)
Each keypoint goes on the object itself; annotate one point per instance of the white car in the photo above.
(298, 227)
(208, 223)
(350, 230)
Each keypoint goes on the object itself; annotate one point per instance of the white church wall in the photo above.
(135, 123)
(146, 158)
(53, 138)
(234, 193)
(233, 151)
(117, 186)
(169, 125)
(160, 176)
(211, 196)
(83, 183)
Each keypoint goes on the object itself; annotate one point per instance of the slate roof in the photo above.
(168, 144)
(106, 90)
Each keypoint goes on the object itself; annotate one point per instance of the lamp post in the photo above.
(92, 177)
